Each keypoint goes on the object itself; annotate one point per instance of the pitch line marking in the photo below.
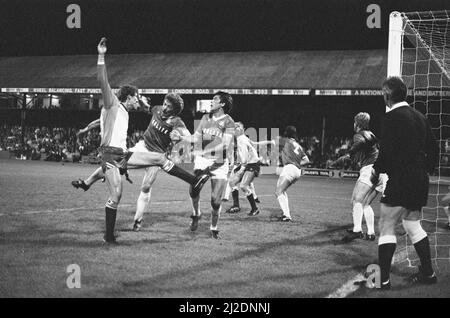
(348, 288)
(131, 205)
(78, 209)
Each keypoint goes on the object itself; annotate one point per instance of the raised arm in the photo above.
(102, 76)
(263, 143)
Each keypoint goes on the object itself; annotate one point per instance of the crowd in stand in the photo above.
(44, 143)
(63, 144)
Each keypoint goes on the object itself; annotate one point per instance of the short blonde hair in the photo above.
(362, 120)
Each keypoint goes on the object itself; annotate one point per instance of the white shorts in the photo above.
(139, 147)
(364, 177)
(291, 172)
(236, 177)
(220, 172)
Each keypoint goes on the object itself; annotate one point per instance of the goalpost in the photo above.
(419, 52)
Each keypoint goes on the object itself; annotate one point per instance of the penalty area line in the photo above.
(83, 208)
(348, 288)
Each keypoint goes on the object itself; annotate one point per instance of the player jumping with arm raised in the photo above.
(143, 200)
(113, 130)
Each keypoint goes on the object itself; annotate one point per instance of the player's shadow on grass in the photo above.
(314, 240)
(153, 286)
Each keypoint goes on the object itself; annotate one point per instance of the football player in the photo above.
(212, 140)
(364, 151)
(113, 130)
(246, 169)
(151, 152)
(293, 158)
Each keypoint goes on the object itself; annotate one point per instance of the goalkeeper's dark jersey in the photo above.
(364, 150)
(157, 135)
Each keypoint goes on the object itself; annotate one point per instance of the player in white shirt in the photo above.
(246, 169)
(113, 131)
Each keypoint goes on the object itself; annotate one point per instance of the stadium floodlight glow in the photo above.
(419, 52)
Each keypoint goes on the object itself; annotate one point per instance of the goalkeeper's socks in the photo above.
(182, 174)
(357, 217)
(370, 219)
(235, 195)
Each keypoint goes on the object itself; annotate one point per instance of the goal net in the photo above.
(419, 52)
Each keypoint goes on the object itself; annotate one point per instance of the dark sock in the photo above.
(182, 174)
(251, 199)
(235, 195)
(110, 217)
(423, 250)
(385, 254)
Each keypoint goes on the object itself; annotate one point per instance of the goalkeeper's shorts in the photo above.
(364, 177)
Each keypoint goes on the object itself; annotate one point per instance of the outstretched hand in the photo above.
(102, 46)
(175, 135)
(144, 102)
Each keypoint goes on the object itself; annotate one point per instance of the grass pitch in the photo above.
(46, 225)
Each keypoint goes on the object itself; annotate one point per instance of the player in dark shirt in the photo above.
(293, 158)
(212, 142)
(364, 152)
(157, 140)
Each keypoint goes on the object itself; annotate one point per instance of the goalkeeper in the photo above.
(364, 152)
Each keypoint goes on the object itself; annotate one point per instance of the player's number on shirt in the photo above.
(296, 148)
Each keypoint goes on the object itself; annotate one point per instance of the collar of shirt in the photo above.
(218, 118)
(396, 106)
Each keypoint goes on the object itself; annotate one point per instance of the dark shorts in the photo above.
(408, 189)
(253, 167)
(114, 157)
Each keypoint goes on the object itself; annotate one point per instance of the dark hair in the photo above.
(291, 132)
(125, 91)
(176, 101)
(395, 89)
(226, 99)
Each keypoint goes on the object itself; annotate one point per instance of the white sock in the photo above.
(284, 204)
(196, 207)
(252, 188)
(370, 219)
(142, 205)
(357, 216)
(227, 192)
